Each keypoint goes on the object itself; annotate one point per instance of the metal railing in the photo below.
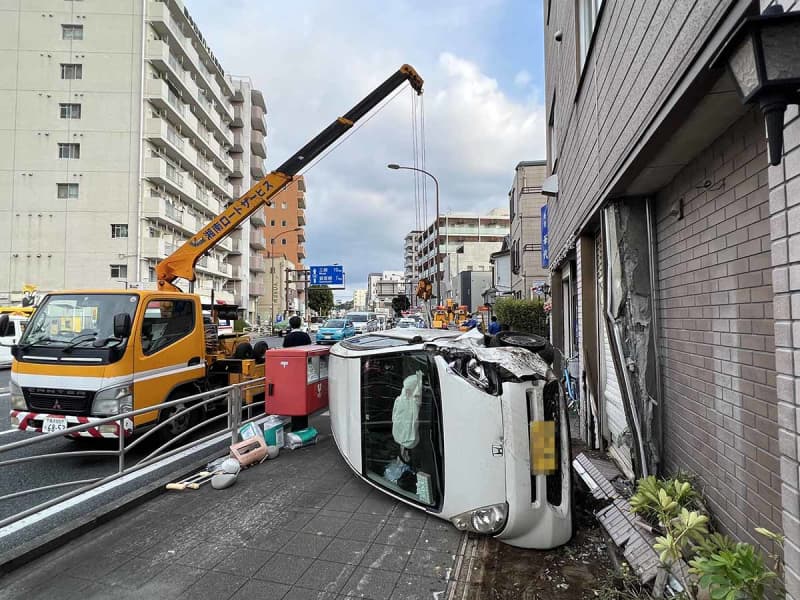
(232, 395)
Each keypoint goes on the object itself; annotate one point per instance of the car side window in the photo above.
(165, 322)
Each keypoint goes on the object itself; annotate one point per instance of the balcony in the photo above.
(256, 167)
(238, 120)
(237, 141)
(257, 239)
(160, 172)
(236, 244)
(301, 252)
(154, 247)
(301, 199)
(301, 217)
(159, 209)
(258, 264)
(257, 218)
(237, 172)
(257, 143)
(301, 236)
(226, 244)
(257, 119)
(236, 272)
(257, 289)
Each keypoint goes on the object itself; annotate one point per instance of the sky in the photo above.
(483, 108)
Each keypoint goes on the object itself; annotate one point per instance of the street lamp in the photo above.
(272, 272)
(436, 184)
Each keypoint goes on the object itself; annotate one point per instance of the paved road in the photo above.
(61, 469)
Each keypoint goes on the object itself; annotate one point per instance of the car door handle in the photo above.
(195, 360)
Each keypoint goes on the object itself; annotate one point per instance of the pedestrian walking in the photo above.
(494, 326)
(296, 337)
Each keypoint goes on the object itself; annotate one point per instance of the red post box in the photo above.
(297, 380)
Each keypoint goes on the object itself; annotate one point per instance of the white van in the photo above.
(363, 322)
(16, 325)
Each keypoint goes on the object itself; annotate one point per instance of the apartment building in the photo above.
(383, 286)
(114, 146)
(525, 201)
(360, 299)
(284, 234)
(455, 229)
(673, 255)
(248, 151)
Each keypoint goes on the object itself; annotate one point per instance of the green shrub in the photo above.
(523, 315)
(239, 325)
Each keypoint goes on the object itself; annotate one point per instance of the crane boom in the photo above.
(181, 263)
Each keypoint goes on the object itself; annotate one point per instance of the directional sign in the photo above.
(327, 275)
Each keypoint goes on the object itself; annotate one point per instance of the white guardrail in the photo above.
(231, 394)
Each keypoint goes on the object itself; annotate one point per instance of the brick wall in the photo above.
(784, 204)
(716, 319)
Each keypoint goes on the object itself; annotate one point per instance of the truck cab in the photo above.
(92, 354)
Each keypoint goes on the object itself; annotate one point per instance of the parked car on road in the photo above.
(335, 330)
(315, 323)
(406, 323)
(364, 322)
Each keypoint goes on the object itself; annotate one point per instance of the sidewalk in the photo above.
(300, 526)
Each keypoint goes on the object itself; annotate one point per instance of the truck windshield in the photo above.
(63, 317)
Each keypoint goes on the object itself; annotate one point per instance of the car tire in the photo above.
(530, 341)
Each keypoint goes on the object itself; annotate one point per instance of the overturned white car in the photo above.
(473, 434)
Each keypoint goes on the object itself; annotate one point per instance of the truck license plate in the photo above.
(53, 424)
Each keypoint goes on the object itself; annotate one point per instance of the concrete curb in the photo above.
(29, 551)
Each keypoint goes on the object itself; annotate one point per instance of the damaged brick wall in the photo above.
(716, 329)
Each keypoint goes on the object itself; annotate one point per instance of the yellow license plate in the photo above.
(543, 447)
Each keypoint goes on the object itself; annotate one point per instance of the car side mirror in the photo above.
(4, 322)
(122, 325)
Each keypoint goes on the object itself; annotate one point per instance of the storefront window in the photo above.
(401, 425)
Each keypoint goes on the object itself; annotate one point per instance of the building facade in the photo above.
(525, 201)
(115, 146)
(454, 230)
(467, 257)
(360, 299)
(669, 230)
(247, 261)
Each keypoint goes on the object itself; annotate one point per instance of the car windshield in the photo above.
(358, 318)
(405, 324)
(334, 324)
(62, 318)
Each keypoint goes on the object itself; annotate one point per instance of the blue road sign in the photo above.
(545, 244)
(327, 275)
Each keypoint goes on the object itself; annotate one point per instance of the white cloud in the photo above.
(522, 78)
(314, 63)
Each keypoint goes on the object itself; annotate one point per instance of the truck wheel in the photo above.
(530, 341)
(177, 426)
(243, 350)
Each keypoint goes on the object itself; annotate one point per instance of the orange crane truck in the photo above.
(91, 354)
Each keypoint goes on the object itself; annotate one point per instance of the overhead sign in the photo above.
(545, 245)
(327, 275)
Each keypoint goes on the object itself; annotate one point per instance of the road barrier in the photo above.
(231, 394)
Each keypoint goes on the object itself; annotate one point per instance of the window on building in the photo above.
(119, 271)
(283, 205)
(69, 110)
(283, 223)
(67, 190)
(69, 150)
(283, 242)
(119, 230)
(552, 135)
(151, 273)
(272, 223)
(72, 32)
(587, 20)
(71, 71)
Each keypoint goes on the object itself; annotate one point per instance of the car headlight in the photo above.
(487, 519)
(17, 397)
(113, 401)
